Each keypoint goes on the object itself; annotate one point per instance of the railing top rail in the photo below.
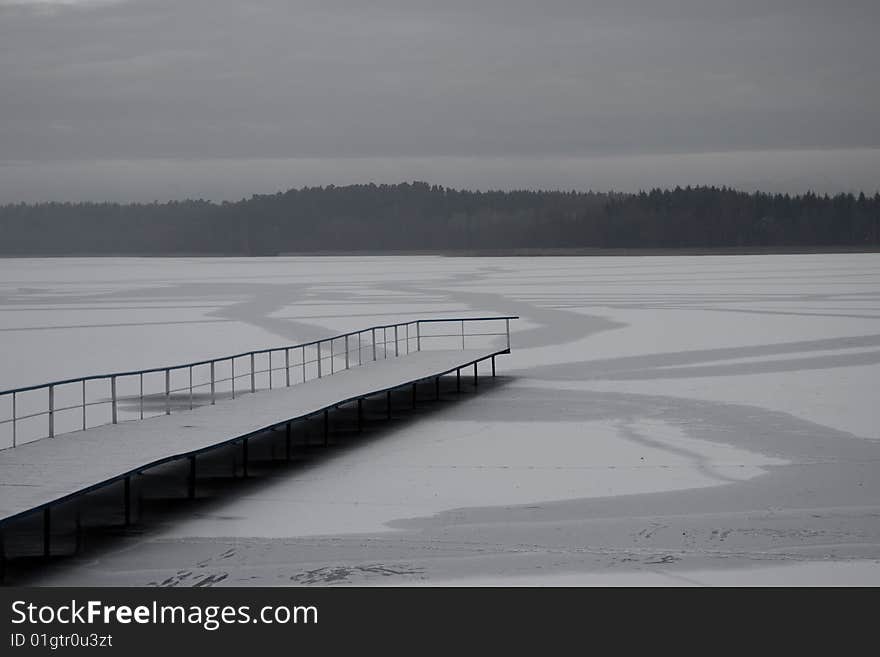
(152, 370)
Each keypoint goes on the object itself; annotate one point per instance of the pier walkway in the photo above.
(42, 472)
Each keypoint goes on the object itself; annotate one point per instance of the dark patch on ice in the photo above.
(665, 559)
(338, 574)
(704, 362)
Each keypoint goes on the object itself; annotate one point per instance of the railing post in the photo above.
(52, 411)
(232, 375)
(346, 352)
(190, 387)
(462, 335)
(167, 392)
(113, 396)
(84, 403)
(407, 338)
(270, 370)
(287, 367)
(213, 398)
(507, 330)
(140, 395)
(360, 351)
(319, 359)
(304, 362)
(253, 387)
(332, 358)
(418, 336)
(373, 331)
(384, 342)
(15, 419)
(396, 348)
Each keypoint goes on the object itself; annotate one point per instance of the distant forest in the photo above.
(422, 217)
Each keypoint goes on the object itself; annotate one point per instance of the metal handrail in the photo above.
(371, 347)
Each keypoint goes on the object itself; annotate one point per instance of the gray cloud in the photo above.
(214, 79)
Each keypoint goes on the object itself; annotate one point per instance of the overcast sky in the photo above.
(143, 99)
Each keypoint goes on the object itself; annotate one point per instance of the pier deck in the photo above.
(36, 475)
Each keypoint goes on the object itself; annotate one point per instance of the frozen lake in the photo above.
(661, 419)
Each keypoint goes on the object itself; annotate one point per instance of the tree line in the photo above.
(419, 216)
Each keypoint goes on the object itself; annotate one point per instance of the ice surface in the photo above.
(702, 395)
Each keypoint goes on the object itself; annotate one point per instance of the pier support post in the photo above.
(458, 380)
(388, 404)
(493, 367)
(2, 556)
(326, 427)
(52, 409)
(437, 388)
(287, 441)
(360, 415)
(126, 483)
(476, 381)
(191, 479)
(244, 458)
(78, 529)
(414, 394)
(47, 532)
(113, 397)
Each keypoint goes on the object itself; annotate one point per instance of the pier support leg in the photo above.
(388, 404)
(47, 532)
(437, 388)
(476, 381)
(191, 479)
(360, 415)
(493, 367)
(414, 395)
(326, 427)
(458, 380)
(2, 556)
(244, 458)
(78, 537)
(126, 483)
(287, 441)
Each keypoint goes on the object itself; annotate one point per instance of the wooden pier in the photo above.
(42, 473)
